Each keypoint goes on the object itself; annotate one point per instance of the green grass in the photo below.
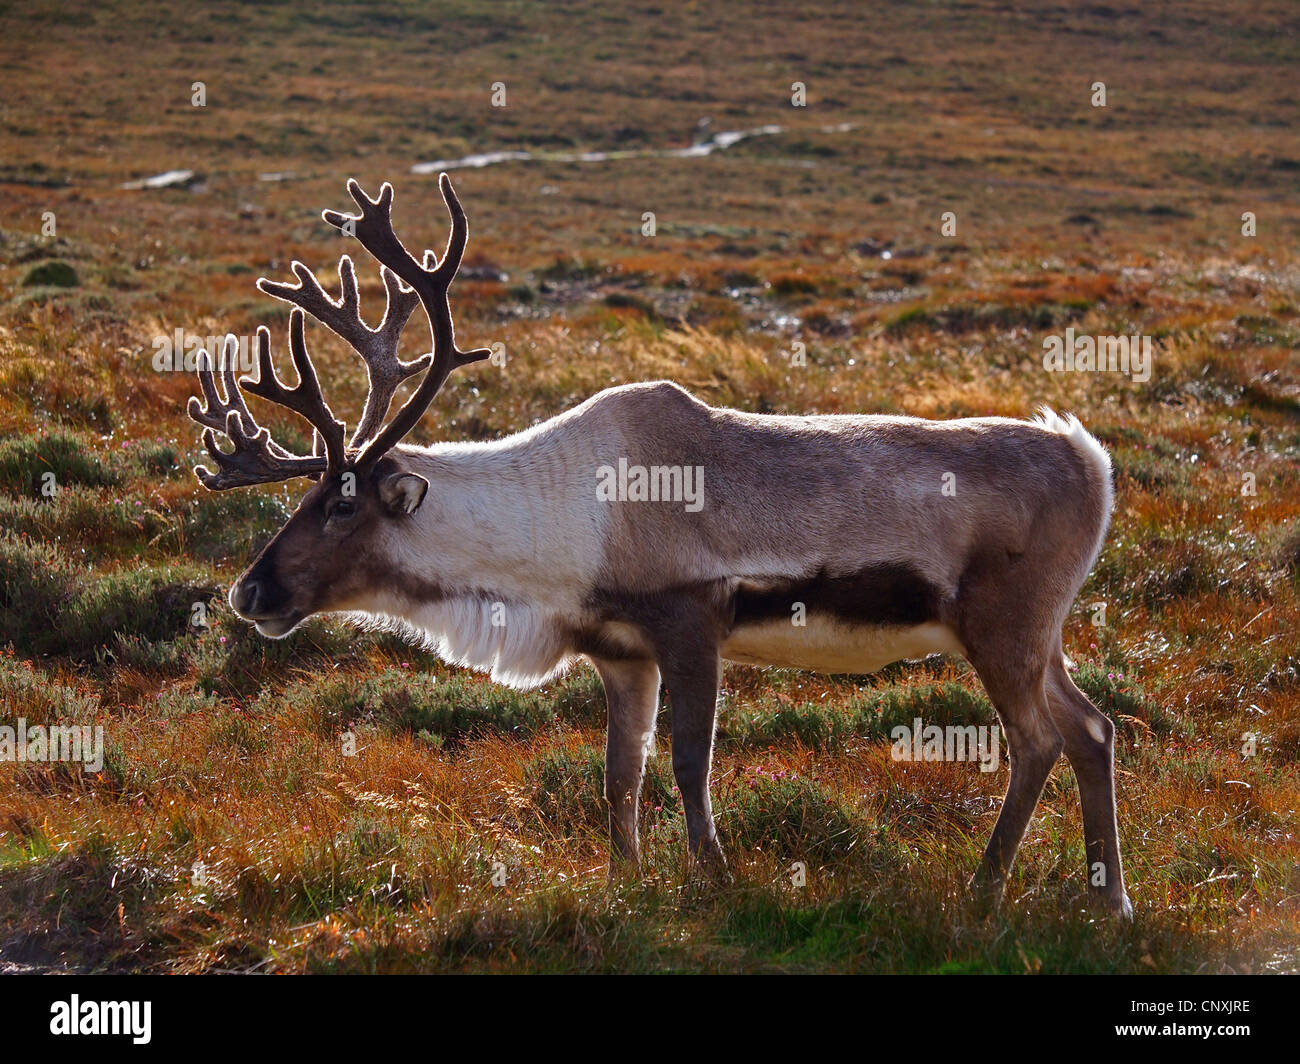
(358, 806)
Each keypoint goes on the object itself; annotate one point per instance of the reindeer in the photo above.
(840, 522)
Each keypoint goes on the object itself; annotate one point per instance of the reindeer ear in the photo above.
(402, 493)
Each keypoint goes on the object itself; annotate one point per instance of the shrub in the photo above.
(24, 460)
(795, 284)
(154, 604)
(183, 700)
(27, 692)
(879, 711)
(567, 789)
(813, 724)
(82, 516)
(155, 459)
(234, 661)
(166, 657)
(959, 318)
(52, 274)
(48, 606)
(790, 816)
(222, 524)
(447, 710)
(869, 714)
(1120, 697)
(570, 268)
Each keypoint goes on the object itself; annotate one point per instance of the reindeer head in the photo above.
(326, 555)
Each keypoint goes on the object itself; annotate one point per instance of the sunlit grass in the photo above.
(343, 802)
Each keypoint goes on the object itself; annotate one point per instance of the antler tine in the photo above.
(305, 398)
(373, 228)
(377, 347)
(212, 412)
(256, 459)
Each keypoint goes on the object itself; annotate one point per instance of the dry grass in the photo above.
(224, 751)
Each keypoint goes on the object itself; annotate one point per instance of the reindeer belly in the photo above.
(856, 621)
(832, 646)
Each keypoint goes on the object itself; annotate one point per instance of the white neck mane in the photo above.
(512, 535)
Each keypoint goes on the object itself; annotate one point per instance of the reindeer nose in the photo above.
(244, 596)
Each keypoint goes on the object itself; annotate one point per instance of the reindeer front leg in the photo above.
(693, 674)
(685, 630)
(632, 696)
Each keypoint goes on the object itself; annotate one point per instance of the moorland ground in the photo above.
(228, 831)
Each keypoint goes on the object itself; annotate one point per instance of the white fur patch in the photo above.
(1095, 729)
(1092, 452)
(829, 646)
(511, 535)
(517, 645)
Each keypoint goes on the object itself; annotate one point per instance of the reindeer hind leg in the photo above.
(1090, 745)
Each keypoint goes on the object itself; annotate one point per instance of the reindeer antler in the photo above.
(305, 398)
(373, 228)
(212, 412)
(258, 459)
(377, 347)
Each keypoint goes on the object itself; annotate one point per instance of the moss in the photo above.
(52, 274)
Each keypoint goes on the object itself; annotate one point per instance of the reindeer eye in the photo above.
(343, 508)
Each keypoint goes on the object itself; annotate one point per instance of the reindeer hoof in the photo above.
(711, 867)
(1117, 906)
(623, 870)
(984, 895)
(1109, 904)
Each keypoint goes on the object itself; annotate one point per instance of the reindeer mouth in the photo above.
(277, 627)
